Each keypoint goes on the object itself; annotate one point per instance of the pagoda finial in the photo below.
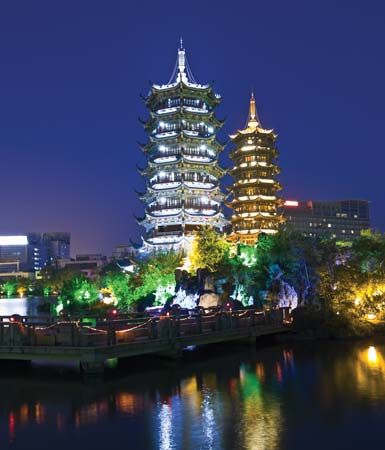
(181, 62)
(253, 119)
(252, 107)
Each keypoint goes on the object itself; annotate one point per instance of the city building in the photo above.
(124, 251)
(13, 255)
(33, 251)
(44, 249)
(182, 173)
(340, 219)
(88, 264)
(253, 194)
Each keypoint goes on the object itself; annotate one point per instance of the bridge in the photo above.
(92, 341)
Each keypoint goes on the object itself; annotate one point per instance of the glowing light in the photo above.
(291, 203)
(371, 316)
(13, 240)
(372, 355)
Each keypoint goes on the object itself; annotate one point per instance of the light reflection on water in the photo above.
(25, 306)
(276, 398)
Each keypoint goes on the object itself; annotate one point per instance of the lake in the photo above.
(305, 395)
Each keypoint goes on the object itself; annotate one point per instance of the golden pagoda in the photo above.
(253, 194)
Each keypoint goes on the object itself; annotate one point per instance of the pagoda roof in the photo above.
(185, 112)
(253, 124)
(183, 80)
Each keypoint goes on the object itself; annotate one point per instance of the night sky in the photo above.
(71, 75)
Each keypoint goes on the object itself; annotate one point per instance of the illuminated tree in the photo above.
(209, 249)
(157, 276)
(120, 286)
(79, 291)
(9, 288)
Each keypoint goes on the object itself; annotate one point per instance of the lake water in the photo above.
(288, 396)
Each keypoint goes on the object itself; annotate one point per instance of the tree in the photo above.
(9, 288)
(78, 291)
(156, 276)
(208, 251)
(120, 285)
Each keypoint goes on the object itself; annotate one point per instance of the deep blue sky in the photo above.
(71, 74)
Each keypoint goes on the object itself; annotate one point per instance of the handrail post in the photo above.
(111, 335)
(252, 318)
(199, 323)
(154, 329)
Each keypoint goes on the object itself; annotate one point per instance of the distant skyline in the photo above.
(71, 75)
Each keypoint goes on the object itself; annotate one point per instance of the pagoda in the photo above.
(253, 194)
(182, 171)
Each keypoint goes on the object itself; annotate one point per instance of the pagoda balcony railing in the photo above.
(164, 207)
(174, 103)
(200, 132)
(190, 177)
(165, 184)
(204, 184)
(166, 233)
(207, 210)
(166, 212)
(188, 153)
(163, 134)
(167, 110)
(195, 110)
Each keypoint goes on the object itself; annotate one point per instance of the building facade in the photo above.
(44, 249)
(254, 199)
(33, 251)
(341, 219)
(182, 151)
(87, 264)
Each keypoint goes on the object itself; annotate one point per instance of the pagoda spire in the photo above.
(181, 76)
(253, 119)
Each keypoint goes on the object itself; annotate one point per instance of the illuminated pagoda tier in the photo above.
(182, 173)
(254, 191)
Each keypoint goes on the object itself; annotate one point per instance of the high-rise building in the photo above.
(340, 219)
(182, 173)
(254, 198)
(46, 248)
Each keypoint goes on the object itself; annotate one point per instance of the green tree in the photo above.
(209, 250)
(120, 285)
(78, 291)
(9, 288)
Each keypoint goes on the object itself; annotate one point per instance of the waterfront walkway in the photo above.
(93, 341)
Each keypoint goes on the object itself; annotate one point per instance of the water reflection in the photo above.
(24, 306)
(271, 399)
